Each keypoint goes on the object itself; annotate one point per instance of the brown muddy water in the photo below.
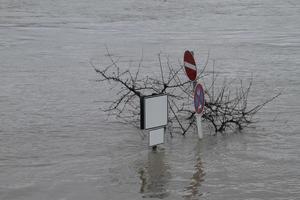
(55, 143)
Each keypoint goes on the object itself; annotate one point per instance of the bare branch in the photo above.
(224, 109)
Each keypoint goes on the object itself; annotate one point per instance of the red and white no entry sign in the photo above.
(199, 98)
(190, 65)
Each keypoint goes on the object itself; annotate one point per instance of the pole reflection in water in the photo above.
(155, 175)
(192, 191)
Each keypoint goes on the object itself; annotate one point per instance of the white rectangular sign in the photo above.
(156, 136)
(155, 111)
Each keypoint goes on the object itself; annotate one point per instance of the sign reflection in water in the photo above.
(155, 176)
(192, 191)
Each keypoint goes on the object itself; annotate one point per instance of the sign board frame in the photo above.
(154, 111)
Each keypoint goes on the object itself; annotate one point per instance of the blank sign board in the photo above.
(156, 136)
(154, 111)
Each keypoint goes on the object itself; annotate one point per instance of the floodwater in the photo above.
(55, 143)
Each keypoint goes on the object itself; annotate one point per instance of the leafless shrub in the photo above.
(224, 109)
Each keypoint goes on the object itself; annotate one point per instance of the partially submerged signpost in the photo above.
(191, 72)
(154, 108)
(154, 117)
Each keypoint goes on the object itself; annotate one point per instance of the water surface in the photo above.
(56, 144)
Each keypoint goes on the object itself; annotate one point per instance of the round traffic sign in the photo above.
(190, 65)
(199, 98)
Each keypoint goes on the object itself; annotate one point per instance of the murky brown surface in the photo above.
(56, 144)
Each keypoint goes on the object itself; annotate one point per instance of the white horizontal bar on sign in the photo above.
(189, 65)
(156, 136)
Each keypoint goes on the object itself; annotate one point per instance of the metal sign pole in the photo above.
(199, 125)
